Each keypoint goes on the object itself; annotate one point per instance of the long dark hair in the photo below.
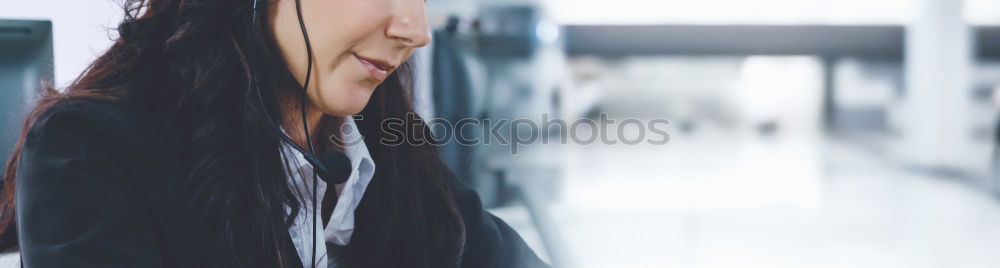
(186, 61)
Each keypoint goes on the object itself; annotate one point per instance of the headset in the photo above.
(333, 167)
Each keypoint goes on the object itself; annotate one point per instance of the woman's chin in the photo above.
(354, 109)
(344, 106)
(347, 99)
(343, 111)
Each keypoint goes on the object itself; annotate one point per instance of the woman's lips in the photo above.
(378, 70)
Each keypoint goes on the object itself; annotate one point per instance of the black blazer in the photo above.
(96, 188)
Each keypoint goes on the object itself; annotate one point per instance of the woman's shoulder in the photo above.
(119, 126)
(90, 157)
(100, 110)
(95, 116)
(100, 134)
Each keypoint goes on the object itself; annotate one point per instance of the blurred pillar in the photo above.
(829, 86)
(934, 122)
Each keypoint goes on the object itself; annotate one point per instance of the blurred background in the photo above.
(803, 133)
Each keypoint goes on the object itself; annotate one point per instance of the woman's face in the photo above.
(356, 44)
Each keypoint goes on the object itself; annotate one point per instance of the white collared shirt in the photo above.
(341, 224)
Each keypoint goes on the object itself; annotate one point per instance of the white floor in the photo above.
(750, 202)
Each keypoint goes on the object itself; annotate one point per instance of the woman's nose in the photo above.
(409, 24)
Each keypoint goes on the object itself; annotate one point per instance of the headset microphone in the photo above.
(333, 166)
(338, 167)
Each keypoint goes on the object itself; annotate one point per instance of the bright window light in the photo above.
(834, 12)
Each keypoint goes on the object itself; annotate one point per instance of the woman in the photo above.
(173, 148)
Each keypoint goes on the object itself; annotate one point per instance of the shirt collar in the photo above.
(357, 151)
(341, 225)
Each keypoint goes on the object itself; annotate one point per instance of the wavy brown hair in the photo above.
(186, 62)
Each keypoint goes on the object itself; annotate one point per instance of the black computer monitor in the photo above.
(25, 65)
